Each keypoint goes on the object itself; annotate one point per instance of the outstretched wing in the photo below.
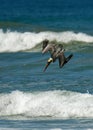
(63, 60)
(60, 46)
(45, 43)
(69, 57)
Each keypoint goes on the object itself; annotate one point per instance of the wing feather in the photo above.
(61, 59)
(50, 48)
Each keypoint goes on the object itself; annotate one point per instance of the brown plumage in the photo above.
(57, 52)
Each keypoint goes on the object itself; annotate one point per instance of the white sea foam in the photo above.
(55, 104)
(56, 129)
(17, 41)
(11, 129)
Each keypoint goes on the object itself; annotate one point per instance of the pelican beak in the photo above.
(48, 63)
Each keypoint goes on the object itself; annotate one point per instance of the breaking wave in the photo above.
(55, 104)
(18, 41)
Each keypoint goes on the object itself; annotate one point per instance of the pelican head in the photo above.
(50, 60)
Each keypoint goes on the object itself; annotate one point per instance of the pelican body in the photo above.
(57, 52)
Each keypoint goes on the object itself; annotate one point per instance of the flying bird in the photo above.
(56, 52)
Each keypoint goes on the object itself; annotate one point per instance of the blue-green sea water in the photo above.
(57, 99)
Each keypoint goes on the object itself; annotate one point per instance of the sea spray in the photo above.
(59, 104)
(18, 41)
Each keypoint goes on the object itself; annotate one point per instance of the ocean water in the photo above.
(57, 99)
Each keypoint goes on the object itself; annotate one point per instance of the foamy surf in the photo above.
(18, 41)
(54, 104)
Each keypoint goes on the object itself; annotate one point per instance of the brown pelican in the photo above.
(57, 52)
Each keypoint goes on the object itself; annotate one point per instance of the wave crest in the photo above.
(55, 104)
(17, 41)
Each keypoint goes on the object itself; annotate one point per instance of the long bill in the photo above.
(48, 63)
